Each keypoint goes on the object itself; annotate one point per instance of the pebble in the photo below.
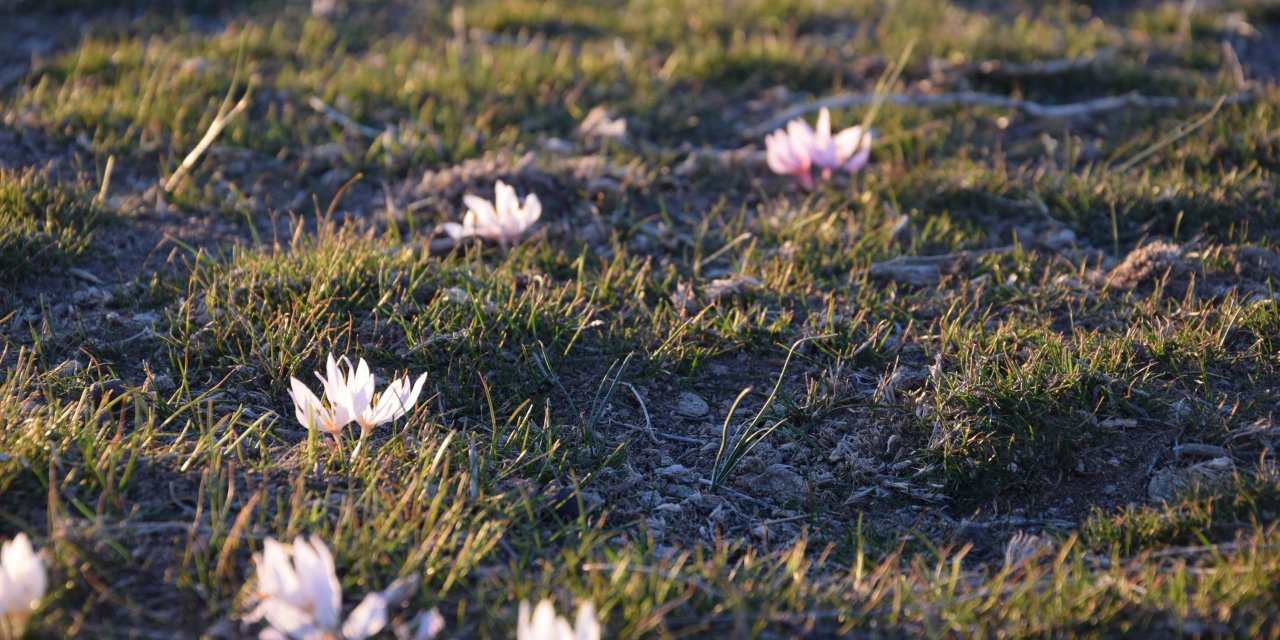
(691, 405)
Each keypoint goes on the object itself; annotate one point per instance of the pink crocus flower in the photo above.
(800, 148)
(790, 152)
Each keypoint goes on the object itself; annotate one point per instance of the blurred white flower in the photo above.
(503, 221)
(600, 125)
(544, 624)
(22, 585)
(430, 624)
(789, 152)
(299, 596)
(799, 148)
(849, 150)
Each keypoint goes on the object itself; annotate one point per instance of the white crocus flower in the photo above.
(394, 401)
(353, 389)
(503, 221)
(314, 414)
(22, 585)
(544, 624)
(299, 596)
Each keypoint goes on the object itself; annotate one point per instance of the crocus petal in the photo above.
(10, 602)
(532, 209)
(317, 578)
(587, 625)
(288, 619)
(307, 408)
(544, 618)
(281, 602)
(412, 398)
(360, 387)
(523, 629)
(454, 230)
(505, 200)
(275, 572)
(562, 630)
(334, 384)
(800, 137)
(858, 161)
(778, 154)
(25, 571)
(430, 624)
(397, 399)
(853, 147)
(368, 618)
(822, 148)
(335, 376)
(388, 407)
(481, 217)
(271, 633)
(22, 583)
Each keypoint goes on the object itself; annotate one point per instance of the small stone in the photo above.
(68, 368)
(779, 480)
(604, 186)
(679, 491)
(678, 473)
(600, 125)
(1170, 484)
(162, 383)
(195, 66)
(1059, 240)
(92, 296)
(670, 507)
(103, 391)
(691, 405)
(324, 9)
(558, 146)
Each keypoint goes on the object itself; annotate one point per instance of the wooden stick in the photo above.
(978, 99)
(1005, 69)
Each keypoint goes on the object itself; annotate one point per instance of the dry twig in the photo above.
(975, 98)
(215, 128)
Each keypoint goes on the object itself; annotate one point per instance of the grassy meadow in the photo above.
(1018, 377)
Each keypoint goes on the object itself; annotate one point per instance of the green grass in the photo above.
(41, 224)
(1035, 383)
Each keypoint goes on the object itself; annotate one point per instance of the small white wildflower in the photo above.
(544, 624)
(299, 596)
(22, 585)
(503, 221)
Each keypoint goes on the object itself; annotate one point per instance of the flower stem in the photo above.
(359, 444)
